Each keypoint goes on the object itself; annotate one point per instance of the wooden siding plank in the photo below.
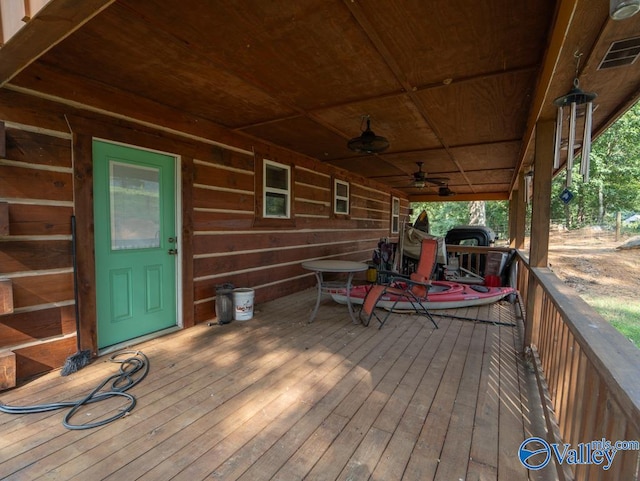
(222, 200)
(25, 327)
(36, 255)
(38, 149)
(39, 220)
(43, 357)
(272, 239)
(210, 175)
(235, 261)
(42, 289)
(20, 183)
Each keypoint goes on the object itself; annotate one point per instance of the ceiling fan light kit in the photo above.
(420, 178)
(368, 142)
(445, 191)
(623, 9)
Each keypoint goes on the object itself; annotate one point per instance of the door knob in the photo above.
(173, 252)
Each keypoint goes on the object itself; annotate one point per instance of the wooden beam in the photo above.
(541, 201)
(564, 17)
(540, 216)
(517, 215)
(459, 197)
(52, 24)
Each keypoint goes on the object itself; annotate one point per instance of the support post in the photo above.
(517, 215)
(540, 218)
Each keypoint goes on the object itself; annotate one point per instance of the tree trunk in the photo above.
(477, 213)
(600, 204)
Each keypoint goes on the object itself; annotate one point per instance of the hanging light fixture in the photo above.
(368, 142)
(575, 99)
(623, 9)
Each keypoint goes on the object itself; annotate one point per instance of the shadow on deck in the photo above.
(278, 398)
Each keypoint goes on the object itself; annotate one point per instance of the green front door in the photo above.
(135, 242)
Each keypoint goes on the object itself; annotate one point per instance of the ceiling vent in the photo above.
(623, 52)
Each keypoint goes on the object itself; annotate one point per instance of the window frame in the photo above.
(395, 215)
(288, 192)
(337, 197)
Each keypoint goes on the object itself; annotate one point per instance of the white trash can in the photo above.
(243, 303)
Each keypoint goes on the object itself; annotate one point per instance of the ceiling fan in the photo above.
(445, 191)
(420, 178)
(368, 142)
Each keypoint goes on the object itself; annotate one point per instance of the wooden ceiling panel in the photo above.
(312, 53)
(458, 86)
(394, 117)
(489, 109)
(490, 177)
(303, 135)
(434, 41)
(181, 78)
(500, 155)
(436, 162)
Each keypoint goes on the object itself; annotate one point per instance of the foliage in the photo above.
(445, 215)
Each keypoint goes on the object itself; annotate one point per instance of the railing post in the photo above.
(540, 218)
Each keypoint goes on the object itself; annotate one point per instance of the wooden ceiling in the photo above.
(457, 85)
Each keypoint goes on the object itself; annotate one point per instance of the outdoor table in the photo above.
(321, 267)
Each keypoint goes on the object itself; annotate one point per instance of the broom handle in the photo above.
(75, 279)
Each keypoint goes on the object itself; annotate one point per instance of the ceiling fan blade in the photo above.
(441, 181)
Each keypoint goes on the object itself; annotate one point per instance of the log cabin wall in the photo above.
(46, 176)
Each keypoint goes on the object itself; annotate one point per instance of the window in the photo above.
(340, 197)
(395, 215)
(277, 190)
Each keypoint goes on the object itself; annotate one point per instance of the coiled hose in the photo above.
(132, 370)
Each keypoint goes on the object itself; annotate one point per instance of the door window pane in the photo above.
(135, 206)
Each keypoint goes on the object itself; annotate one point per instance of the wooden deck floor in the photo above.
(277, 398)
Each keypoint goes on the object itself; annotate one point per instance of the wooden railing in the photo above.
(472, 258)
(587, 372)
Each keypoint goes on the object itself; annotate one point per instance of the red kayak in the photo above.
(441, 295)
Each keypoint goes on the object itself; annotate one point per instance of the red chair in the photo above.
(412, 289)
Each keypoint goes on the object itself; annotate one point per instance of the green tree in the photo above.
(445, 215)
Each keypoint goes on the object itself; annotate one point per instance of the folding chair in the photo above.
(411, 289)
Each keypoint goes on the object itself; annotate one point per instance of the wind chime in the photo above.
(580, 103)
